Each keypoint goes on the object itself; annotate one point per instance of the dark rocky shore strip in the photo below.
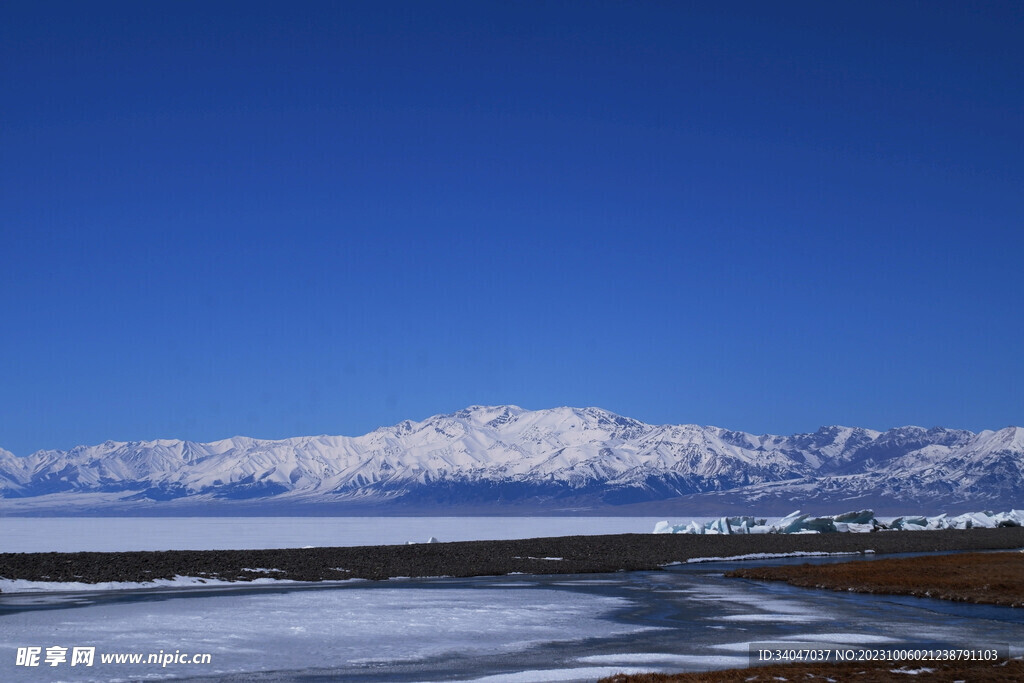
(578, 555)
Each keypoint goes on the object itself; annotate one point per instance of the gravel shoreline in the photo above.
(575, 555)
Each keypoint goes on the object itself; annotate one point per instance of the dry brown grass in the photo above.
(1004, 670)
(987, 578)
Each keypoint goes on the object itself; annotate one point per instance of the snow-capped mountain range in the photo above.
(505, 458)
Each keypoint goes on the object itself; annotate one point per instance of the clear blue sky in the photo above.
(279, 219)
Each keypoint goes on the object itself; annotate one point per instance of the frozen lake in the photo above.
(494, 629)
(69, 534)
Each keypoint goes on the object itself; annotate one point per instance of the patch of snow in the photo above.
(665, 659)
(26, 586)
(840, 638)
(763, 556)
(772, 618)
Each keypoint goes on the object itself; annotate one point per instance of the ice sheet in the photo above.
(342, 626)
(114, 534)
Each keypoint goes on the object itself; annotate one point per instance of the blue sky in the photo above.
(278, 219)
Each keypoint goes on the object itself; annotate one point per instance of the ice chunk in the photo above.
(791, 523)
(859, 517)
(974, 520)
(1011, 518)
(860, 521)
(909, 523)
(821, 525)
(722, 525)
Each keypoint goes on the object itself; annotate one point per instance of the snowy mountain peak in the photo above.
(503, 455)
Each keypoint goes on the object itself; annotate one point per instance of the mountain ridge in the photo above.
(499, 457)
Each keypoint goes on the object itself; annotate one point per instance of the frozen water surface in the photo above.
(112, 534)
(529, 628)
(350, 627)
